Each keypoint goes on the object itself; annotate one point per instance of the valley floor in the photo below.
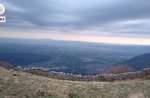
(15, 84)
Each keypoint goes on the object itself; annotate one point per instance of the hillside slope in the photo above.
(138, 62)
(15, 84)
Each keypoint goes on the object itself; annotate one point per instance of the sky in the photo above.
(108, 21)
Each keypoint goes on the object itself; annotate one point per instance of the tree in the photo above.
(121, 69)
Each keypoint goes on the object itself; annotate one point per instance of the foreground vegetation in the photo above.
(15, 84)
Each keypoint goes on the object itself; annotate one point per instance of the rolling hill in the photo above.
(138, 62)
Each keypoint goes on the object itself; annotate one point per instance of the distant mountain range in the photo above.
(138, 62)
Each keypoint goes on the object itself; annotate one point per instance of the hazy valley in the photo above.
(69, 57)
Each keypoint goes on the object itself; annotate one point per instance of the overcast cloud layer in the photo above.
(125, 18)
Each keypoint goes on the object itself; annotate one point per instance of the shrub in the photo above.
(121, 69)
(73, 95)
(147, 73)
(5, 65)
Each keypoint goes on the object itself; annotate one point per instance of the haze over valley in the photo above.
(67, 56)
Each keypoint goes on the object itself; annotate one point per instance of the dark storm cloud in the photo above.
(129, 18)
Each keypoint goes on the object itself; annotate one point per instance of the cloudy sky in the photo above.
(110, 21)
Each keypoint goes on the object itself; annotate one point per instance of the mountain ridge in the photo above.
(138, 62)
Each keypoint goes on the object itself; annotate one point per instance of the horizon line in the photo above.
(51, 39)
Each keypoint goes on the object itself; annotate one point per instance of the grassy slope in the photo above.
(23, 85)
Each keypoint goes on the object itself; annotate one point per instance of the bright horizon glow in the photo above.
(109, 21)
(73, 37)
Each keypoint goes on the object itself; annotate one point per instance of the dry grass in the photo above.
(23, 85)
